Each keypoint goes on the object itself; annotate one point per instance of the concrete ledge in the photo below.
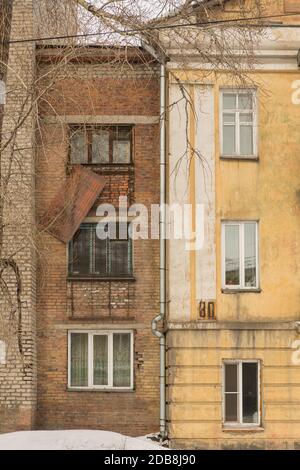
(103, 119)
(209, 325)
(128, 325)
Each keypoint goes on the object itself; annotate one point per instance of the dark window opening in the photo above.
(250, 392)
(241, 390)
(90, 256)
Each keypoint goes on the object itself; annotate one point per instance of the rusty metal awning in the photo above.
(72, 203)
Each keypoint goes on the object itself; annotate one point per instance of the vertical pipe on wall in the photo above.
(162, 267)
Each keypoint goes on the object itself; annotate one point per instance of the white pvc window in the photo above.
(241, 393)
(2, 353)
(100, 360)
(238, 123)
(2, 92)
(240, 268)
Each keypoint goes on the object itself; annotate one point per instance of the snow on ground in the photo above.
(74, 440)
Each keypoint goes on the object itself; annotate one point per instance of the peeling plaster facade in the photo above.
(258, 325)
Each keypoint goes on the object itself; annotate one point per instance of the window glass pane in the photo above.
(232, 257)
(2, 92)
(250, 255)
(100, 360)
(121, 360)
(229, 118)
(122, 145)
(250, 393)
(229, 101)
(78, 147)
(2, 353)
(120, 258)
(245, 101)
(100, 256)
(121, 151)
(246, 136)
(100, 146)
(231, 408)
(123, 133)
(231, 378)
(79, 360)
(246, 117)
(229, 140)
(80, 252)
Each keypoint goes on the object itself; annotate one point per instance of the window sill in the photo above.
(241, 291)
(242, 429)
(101, 390)
(101, 279)
(103, 165)
(240, 158)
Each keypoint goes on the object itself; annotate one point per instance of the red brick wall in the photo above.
(133, 304)
(119, 96)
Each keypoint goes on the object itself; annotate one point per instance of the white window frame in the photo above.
(241, 224)
(240, 423)
(2, 353)
(239, 91)
(2, 92)
(91, 334)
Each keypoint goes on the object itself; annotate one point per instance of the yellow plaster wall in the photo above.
(268, 191)
(195, 388)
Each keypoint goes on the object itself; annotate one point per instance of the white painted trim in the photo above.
(109, 334)
(90, 360)
(269, 65)
(110, 361)
(69, 359)
(240, 392)
(241, 225)
(2, 92)
(205, 193)
(239, 364)
(277, 48)
(2, 353)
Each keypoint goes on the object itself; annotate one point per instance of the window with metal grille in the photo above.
(101, 145)
(241, 397)
(89, 256)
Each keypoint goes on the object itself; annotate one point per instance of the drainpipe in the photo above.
(162, 267)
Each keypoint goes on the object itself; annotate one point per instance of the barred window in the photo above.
(89, 256)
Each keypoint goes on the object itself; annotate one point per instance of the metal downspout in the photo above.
(162, 267)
